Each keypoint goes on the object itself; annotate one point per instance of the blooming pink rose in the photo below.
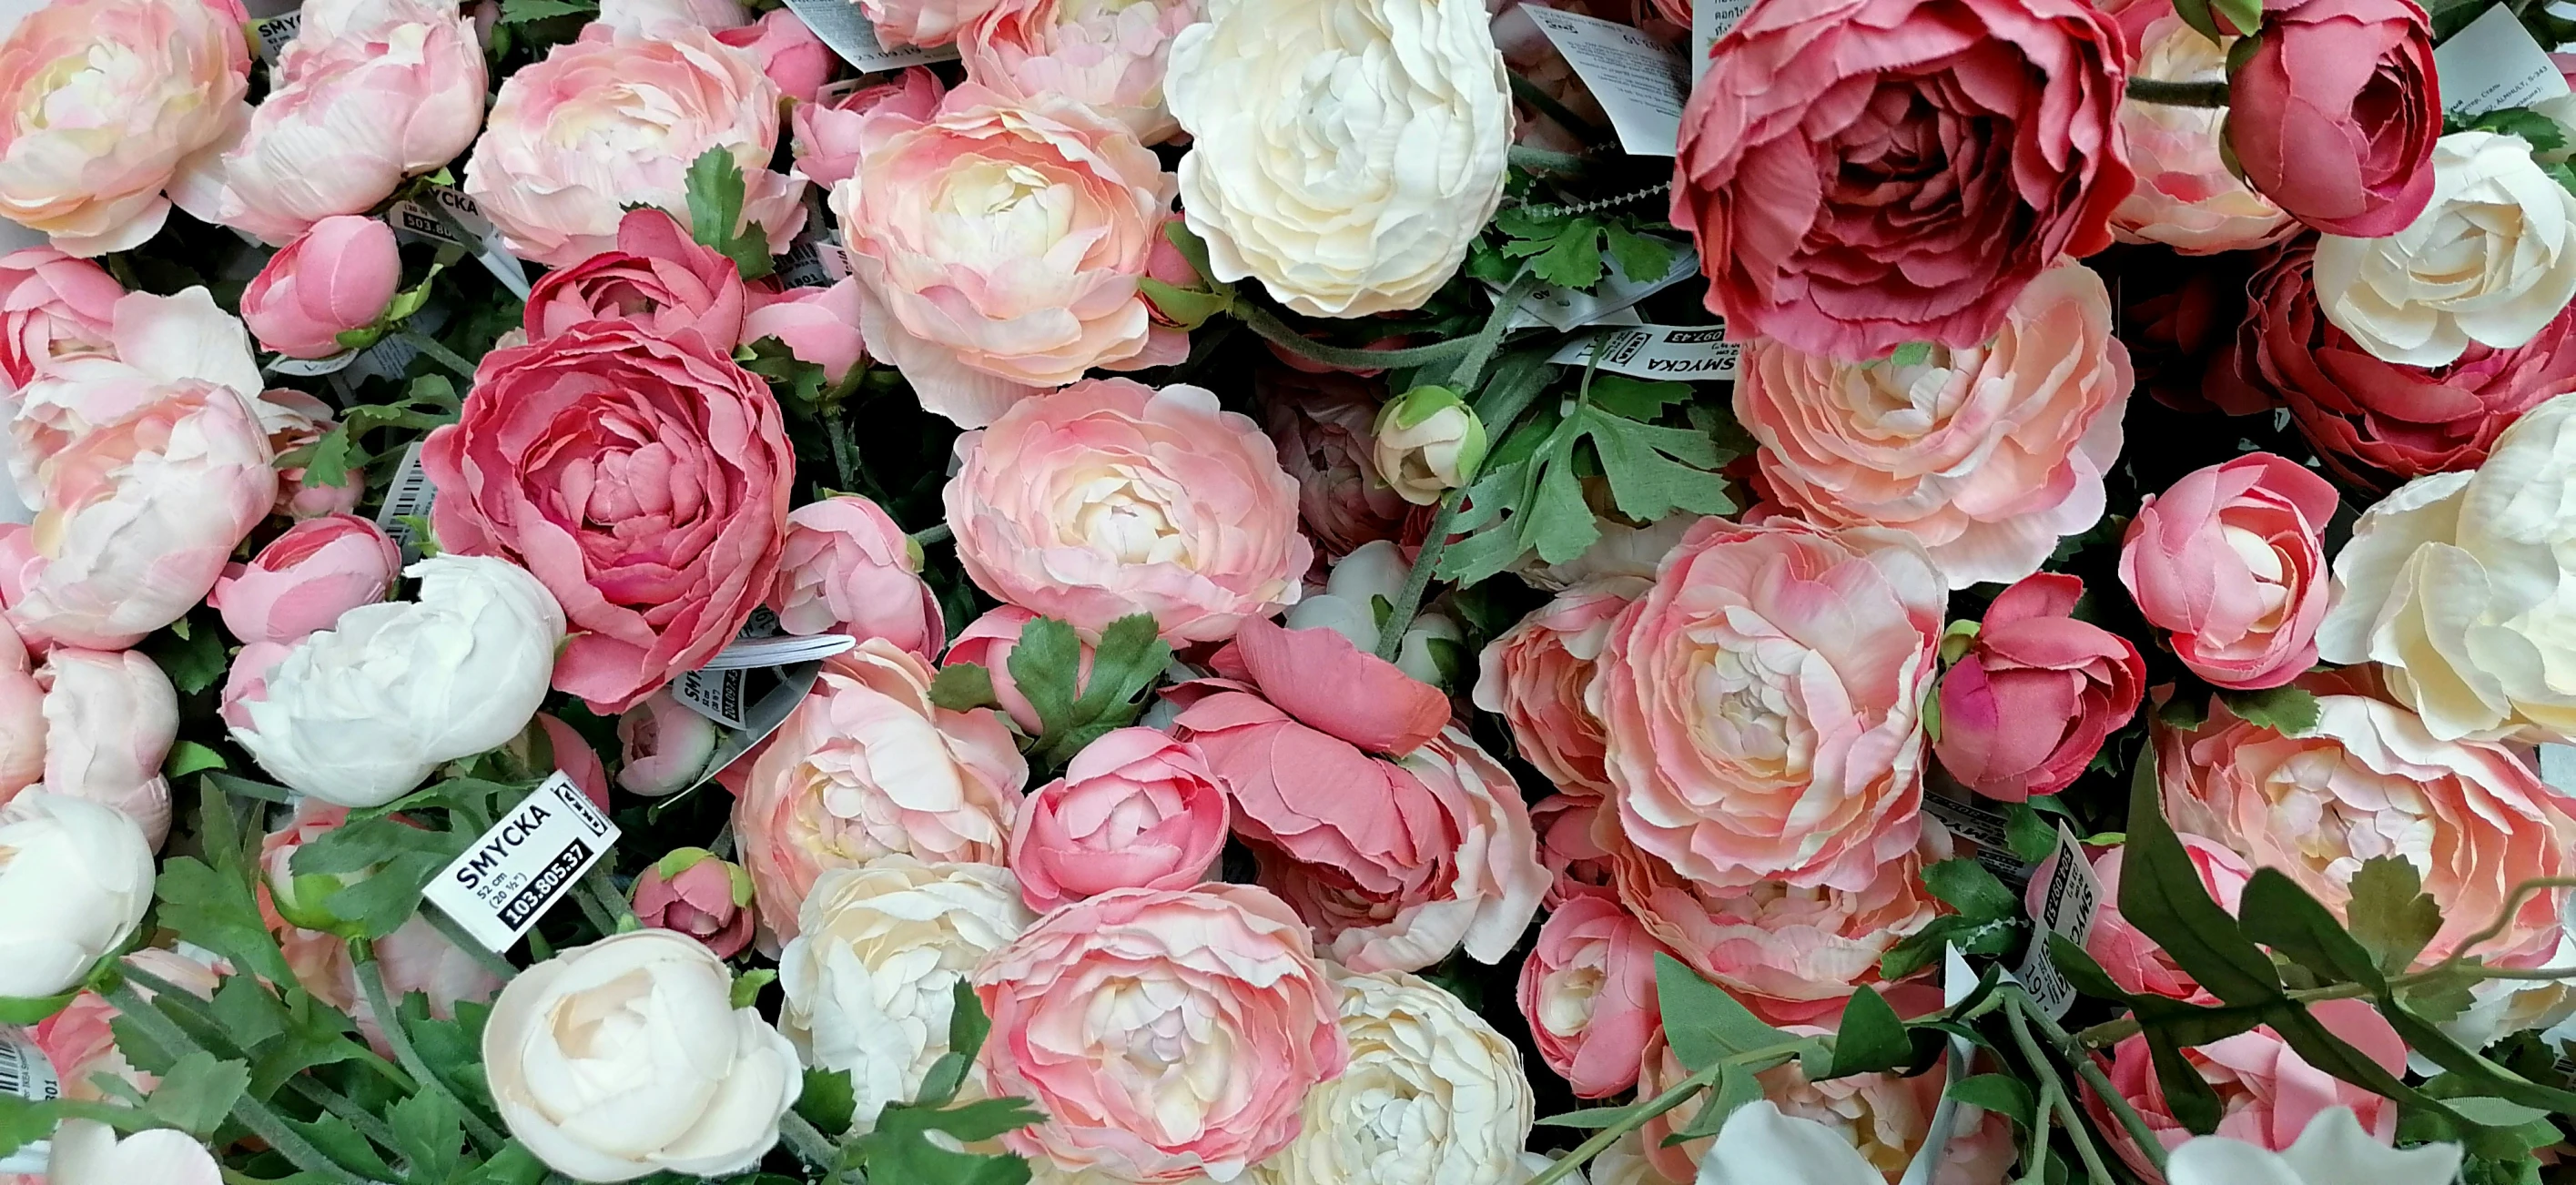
(656, 276)
(2267, 1092)
(1987, 454)
(1199, 529)
(643, 479)
(827, 134)
(817, 325)
(616, 119)
(1588, 992)
(1858, 174)
(2346, 150)
(902, 23)
(293, 420)
(698, 895)
(868, 766)
(336, 277)
(988, 641)
(1578, 865)
(1110, 56)
(369, 92)
(1134, 810)
(2186, 197)
(2032, 700)
(108, 98)
(789, 52)
(1326, 429)
(2230, 561)
(848, 569)
(22, 717)
(1535, 674)
(1760, 704)
(51, 306)
(1167, 1034)
(2133, 960)
(664, 746)
(306, 578)
(109, 721)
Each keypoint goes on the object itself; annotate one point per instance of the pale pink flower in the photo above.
(306, 578)
(1535, 674)
(1110, 56)
(336, 277)
(2187, 197)
(110, 719)
(849, 569)
(903, 23)
(2231, 559)
(1325, 425)
(664, 746)
(827, 134)
(51, 306)
(1588, 992)
(789, 52)
(80, 1044)
(294, 419)
(1134, 809)
(817, 325)
(2267, 1093)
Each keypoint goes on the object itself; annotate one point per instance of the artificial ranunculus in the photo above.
(626, 1057)
(2491, 261)
(293, 420)
(902, 23)
(2186, 198)
(2268, 1094)
(1135, 809)
(1324, 680)
(1577, 865)
(1534, 676)
(656, 277)
(416, 957)
(2333, 113)
(107, 99)
(988, 641)
(873, 970)
(335, 278)
(1167, 1034)
(2126, 954)
(2332, 1149)
(1110, 497)
(1110, 56)
(306, 578)
(80, 1040)
(359, 713)
(87, 1152)
(369, 93)
(75, 879)
(664, 745)
(1345, 154)
(1987, 454)
(1428, 442)
(645, 16)
(2030, 703)
(153, 343)
(998, 247)
(817, 325)
(695, 893)
(616, 119)
(110, 718)
(1324, 425)
(2230, 559)
(827, 134)
(847, 568)
(1372, 574)
(1760, 705)
(22, 716)
(868, 767)
(52, 306)
(789, 52)
(644, 478)
(1588, 992)
(1855, 182)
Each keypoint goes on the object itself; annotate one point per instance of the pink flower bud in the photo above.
(1135, 810)
(817, 325)
(339, 276)
(306, 578)
(827, 134)
(790, 54)
(848, 568)
(666, 746)
(51, 306)
(698, 895)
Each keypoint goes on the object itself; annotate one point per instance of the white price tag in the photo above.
(409, 497)
(1566, 310)
(2558, 767)
(716, 695)
(1983, 826)
(840, 25)
(312, 367)
(517, 870)
(451, 217)
(750, 653)
(813, 259)
(1640, 82)
(1710, 20)
(1658, 352)
(2495, 63)
(270, 35)
(2072, 897)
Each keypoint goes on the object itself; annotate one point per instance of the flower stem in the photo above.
(438, 353)
(371, 980)
(809, 1143)
(1408, 601)
(1277, 332)
(268, 1125)
(2084, 1150)
(1481, 350)
(934, 533)
(306, 1087)
(2035, 1167)
(1679, 1093)
(1540, 160)
(2091, 1072)
(2179, 94)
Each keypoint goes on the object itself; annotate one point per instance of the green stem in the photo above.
(268, 1125)
(1679, 1093)
(809, 1143)
(1481, 349)
(2035, 1170)
(491, 961)
(2179, 94)
(1540, 160)
(2091, 1072)
(1408, 601)
(844, 451)
(1277, 332)
(1546, 104)
(371, 980)
(438, 353)
(934, 533)
(2066, 1113)
(621, 916)
(168, 995)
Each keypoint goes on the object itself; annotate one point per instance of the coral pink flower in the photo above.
(1535, 674)
(52, 306)
(2267, 1092)
(2231, 561)
(705, 898)
(2133, 960)
(306, 578)
(2344, 149)
(2030, 703)
(1588, 992)
(656, 276)
(1135, 809)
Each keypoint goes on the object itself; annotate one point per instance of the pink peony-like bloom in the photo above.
(306, 578)
(902, 23)
(867, 766)
(988, 641)
(1576, 863)
(616, 119)
(294, 419)
(656, 276)
(1760, 704)
(2334, 113)
(789, 52)
(2186, 198)
(2267, 1092)
(2030, 703)
(1110, 497)
(1987, 454)
(1859, 174)
(646, 16)
(52, 306)
(1535, 674)
(2129, 957)
(663, 746)
(107, 100)
(1328, 683)
(22, 717)
(1167, 1034)
(1110, 56)
(998, 246)
(1588, 992)
(643, 479)
(334, 278)
(1134, 810)
(698, 895)
(2230, 560)
(827, 134)
(110, 718)
(817, 325)
(1326, 428)
(847, 568)
(369, 92)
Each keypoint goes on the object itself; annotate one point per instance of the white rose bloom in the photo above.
(2331, 1150)
(75, 878)
(1346, 151)
(2455, 583)
(2492, 259)
(1433, 1095)
(359, 713)
(626, 1058)
(871, 975)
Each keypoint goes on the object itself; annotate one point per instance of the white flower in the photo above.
(1429, 442)
(1346, 151)
(1348, 606)
(87, 1152)
(75, 878)
(2332, 1150)
(1432, 1095)
(2492, 259)
(1761, 1146)
(626, 1058)
(359, 713)
(871, 976)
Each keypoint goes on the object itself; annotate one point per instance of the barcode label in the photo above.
(1982, 826)
(520, 868)
(2073, 895)
(24, 1071)
(410, 497)
(839, 24)
(452, 218)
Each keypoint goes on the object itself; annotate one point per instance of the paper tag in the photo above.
(1659, 352)
(2495, 63)
(753, 653)
(1640, 82)
(409, 497)
(311, 367)
(1710, 20)
(716, 695)
(452, 218)
(1957, 980)
(270, 36)
(2067, 908)
(813, 259)
(841, 25)
(517, 870)
(25, 1073)
(1982, 826)
(1567, 309)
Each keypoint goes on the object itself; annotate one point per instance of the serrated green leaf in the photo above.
(967, 1024)
(939, 1085)
(429, 1131)
(2276, 912)
(1636, 399)
(715, 195)
(219, 914)
(1574, 259)
(1046, 667)
(2029, 836)
(2079, 969)
(828, 1101)
(193, 658)
(1970, 889)
(2392, 917)
(1640, 258)
(2289, 711)
(198, 1091)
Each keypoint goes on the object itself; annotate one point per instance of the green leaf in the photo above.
(2002, 1094)
(967, 1024)
(380, 904)
(429, 1131)
(2392, 917)
(1736, 1086)
(1703, 1023)
(2161, 894)
(188, 757)
(193, 658)
(2079, 969)
(2489, 1111)
(2289, 711)
(1637, 399)
(746, 986)
(27, 1010)
(1871, 1037)
(1075, 708)
(829, 1100)
(2244, 15)
(23, 1122)
(2188, 1096)
(1654, 471)
(2029, 836)
(1970, 889)
(512, 1165)
(1923, 948)
(519, 12)
(715, 213)
(2469, 1066)
(1187, 308)
(939, 1085)
(1911, 354)
(218, 913)
(198, 1092)
(342, 1143)
(1573, 259)
(1640, 258)
(1588, 1119)
(2279, 914)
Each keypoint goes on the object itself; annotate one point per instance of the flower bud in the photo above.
(695, 893)
(75, 878)
(1428, 443)
(306, 578)
(338, 277)
(666, 746)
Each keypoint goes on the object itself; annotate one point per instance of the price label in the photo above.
(840, 24)
(26, 1074)
(271, 34)
(2067, 908)
(520, 868)
(1640, 82)
(409, 498)
(1681, 352)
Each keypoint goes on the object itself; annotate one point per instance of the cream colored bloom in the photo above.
(2491, 260)
(2333, 1150)
(1429, 442)
(1346, 151)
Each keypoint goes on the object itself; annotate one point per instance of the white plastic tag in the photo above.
(25, 1073)
(1566, 310)
(312, 367)
(716, 695)
(270, 35)
(451, 217)
(2495, 63)
(517, 870)
(1981, 825)
(1640, 82)
(2558, 767)
(1659, 352)
(2067, 907)
(841, 25)
(409, 497)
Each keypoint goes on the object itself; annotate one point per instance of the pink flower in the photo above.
(306, 578)
(698, 895)
(1588, 992)
(2186, 197)
(656, 276)
(108, 98)
(109, 721)
(827, 134)
(1858, 174)
(2133, 960)
(1326, 429)
(80, 1043)
(867, 766)
(615, 119)
(1986, 454)
(246, 680)
(1199, 527)
(1578, 864)
(903, 23)
(2031, 702)
(1760, 704)
(664, 746)
(790, 54)
(294, 419)
(51, 306)
(674, 467)
(1134, 810)
(563, 751)
(848, 569)
(1327, 683)
(416, 957)
(2343, 148)
(647, 16)
(2230, 561)
(336, 277)
(1045, 287)
(1167, 1034)
(2266, 1092)
(1535, 675)
(1108, 56)
(988, 641)
(22, 717)
(817, 325)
